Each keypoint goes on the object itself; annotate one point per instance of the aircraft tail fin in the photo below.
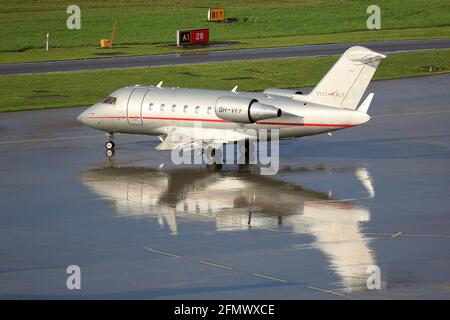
(345, 83)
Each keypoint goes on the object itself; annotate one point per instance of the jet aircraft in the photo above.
(211, 118)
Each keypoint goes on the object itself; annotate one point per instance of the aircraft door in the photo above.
(134, 106)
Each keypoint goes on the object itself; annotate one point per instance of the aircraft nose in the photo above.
(82, 117)
(86, 117)
(91, 117)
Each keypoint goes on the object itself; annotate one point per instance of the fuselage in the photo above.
(150, 110)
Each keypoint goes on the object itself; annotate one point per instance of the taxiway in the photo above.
(218, 56)
(140, 227)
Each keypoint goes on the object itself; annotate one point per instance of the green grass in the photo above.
(148, 26)
(140, 49)
(87, 87)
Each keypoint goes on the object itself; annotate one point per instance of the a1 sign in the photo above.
(196, 36)
(183, 37)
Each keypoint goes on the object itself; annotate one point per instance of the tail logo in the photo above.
(335, 93)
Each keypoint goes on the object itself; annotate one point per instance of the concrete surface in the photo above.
(373, 195)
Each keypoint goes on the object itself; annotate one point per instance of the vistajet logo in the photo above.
(335, 93)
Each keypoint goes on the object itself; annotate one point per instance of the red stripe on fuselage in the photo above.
(336, 125)
(307, 124)
(185, 119)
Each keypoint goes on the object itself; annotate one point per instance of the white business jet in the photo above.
(212, 117)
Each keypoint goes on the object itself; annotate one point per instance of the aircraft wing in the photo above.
(199, 138)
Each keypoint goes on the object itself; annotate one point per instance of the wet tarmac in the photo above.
(377, 195)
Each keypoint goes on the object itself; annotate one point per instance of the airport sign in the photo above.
(216, 14)
(194, 36)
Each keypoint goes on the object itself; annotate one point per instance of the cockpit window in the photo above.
(110, 100)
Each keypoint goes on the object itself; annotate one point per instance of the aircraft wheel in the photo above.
(109, 145)
(109, 153)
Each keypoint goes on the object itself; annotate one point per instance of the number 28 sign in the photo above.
(196, 36)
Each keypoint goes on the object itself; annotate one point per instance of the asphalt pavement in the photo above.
(142, 227)
(218, 56)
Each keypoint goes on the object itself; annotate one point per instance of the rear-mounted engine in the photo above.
(244, 110)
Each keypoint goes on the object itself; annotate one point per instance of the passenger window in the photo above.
(162, 107)
(197, 109)
(209, 110)
(174, 107)
(150, 107)
(185, 109)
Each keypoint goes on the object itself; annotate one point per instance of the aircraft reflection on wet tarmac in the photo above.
(243, 201)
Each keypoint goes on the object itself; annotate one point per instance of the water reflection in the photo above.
(241, 201)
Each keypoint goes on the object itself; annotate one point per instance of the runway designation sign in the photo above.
(195, 36)
(216, 14)
(200, 36)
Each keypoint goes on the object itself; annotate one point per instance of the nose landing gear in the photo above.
(110, 153)
(109, 145)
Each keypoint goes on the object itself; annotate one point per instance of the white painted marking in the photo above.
(328, 291)
(269, 277)
(410, 235)
(215, 265)
(396, 234)
(162, 252)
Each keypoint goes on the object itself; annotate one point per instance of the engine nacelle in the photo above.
(244, 110)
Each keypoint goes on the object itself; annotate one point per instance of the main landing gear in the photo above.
(245, 151)
(212, 165)
(109, 145)
(246, 157)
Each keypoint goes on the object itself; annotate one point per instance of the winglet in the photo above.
(159, 84)
(364, 107)
(234, 89)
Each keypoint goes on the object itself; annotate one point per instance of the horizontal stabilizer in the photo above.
(364, 107)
